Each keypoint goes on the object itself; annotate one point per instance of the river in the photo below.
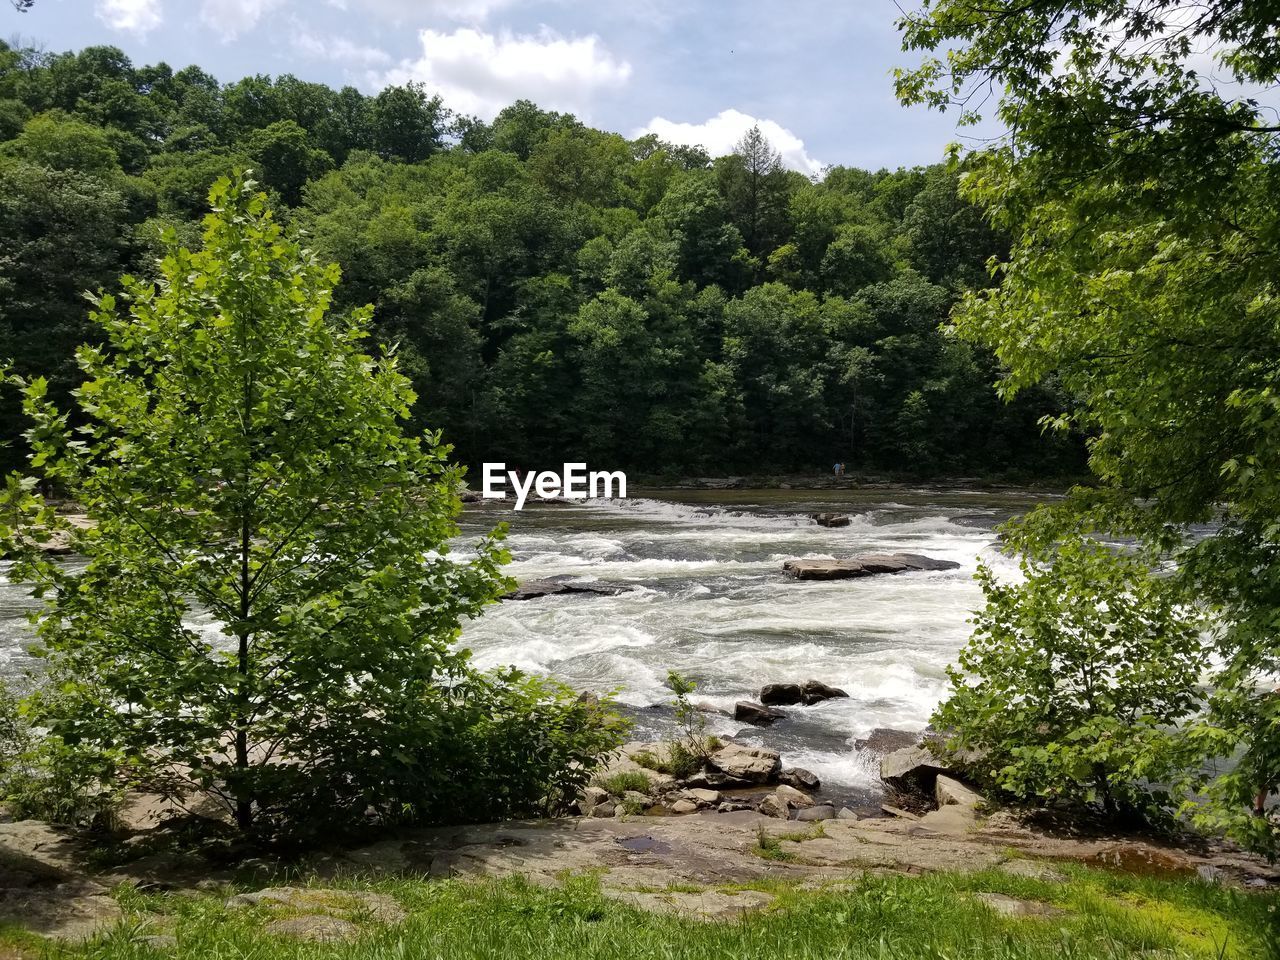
(703, 593)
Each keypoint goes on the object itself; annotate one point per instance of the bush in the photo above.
(1073, 680)
(239, 453)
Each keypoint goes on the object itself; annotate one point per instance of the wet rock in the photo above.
(815, 691)
(775, 806)
(744, 711)
(886, 740)
(865, 566)
(796, 798)
(753, 764)
(536, 589)
(912, 768)
(830, 519)
(948, 792)
(733, 806)
(781, 694)
(818, 813)
(800, 778)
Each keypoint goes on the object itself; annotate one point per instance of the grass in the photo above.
(769, 845)
(619, 783)
(895, 917)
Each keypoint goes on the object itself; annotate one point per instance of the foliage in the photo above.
(690, 746)
(1074, 678)
(243, 465)
(557, 293)
(1144, 209)
(870, 917)
(619, 783)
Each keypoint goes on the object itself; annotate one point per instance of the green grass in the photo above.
(619, 783)
(881, 917)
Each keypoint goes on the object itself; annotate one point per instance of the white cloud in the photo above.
(339, 50)
(233, 17)
(136, 16)
(719, 135)
(480, 73)
(462, 11)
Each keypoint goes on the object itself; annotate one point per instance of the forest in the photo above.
(554, 292)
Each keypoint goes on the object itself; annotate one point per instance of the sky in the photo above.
(814, 74)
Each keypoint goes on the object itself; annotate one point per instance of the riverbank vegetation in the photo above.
(558, 293)
(1143, 208)
(239, 457)
(1082, 914)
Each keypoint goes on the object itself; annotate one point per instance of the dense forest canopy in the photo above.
(556, 292)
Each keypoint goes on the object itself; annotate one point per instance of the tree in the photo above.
(1144, 207)
(756, 187)
(406, 124)
(243, 463)
(1072, 680)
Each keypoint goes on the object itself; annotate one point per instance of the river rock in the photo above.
(867, 565)
(815, 691)
(796, 798)
(775, 806)
(884, 740)
(753, 764)
(702, 797)
(715, 780)
(844, 813)
(830, 519)
(816, 814)
(781, 694)
(536, 589)
(744, 711)
(912, 768)
(684, 806)
(800, 778)
(949, 792)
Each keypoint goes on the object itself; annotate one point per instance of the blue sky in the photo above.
(815, 75)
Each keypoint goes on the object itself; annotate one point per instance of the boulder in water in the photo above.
(781, 694)
(884, 740)
(867, 565)
(800, 778)
(830, 519)
(815, 691)
(744, 711)
(535, 589)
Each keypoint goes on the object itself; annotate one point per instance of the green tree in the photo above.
(1074, 678)
(1145, 208)
(244, 466)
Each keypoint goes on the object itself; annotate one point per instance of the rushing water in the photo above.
(703, 593)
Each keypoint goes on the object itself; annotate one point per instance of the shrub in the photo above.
(1073, 680)
(239, 452)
